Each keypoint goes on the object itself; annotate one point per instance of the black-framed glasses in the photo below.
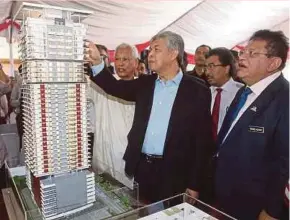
(252, 53)
(212, 65)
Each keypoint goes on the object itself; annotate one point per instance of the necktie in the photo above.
(233, 113)
(215, 113)
(247, 91)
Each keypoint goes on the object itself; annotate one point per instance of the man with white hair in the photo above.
(112, 118)
(126, 61)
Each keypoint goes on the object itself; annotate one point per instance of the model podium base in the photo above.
(58, 195)
(111, 198)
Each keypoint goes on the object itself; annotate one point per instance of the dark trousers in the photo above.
(148, 177)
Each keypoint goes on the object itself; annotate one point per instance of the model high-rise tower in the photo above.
(54, 96)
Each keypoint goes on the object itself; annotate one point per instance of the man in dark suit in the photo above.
(252, 159)
(199, 69)
(170, 141)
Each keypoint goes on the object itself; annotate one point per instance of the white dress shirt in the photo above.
(229, 90)
(257, 89)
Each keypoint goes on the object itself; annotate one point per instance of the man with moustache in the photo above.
(112, 118)
(141, 68)
(220, 67)
(170, 139)
(252, 159)
(199, 57)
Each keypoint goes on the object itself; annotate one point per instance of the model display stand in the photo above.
(112, 199)
(180, 207)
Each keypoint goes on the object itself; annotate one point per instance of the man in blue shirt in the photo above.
(170, 143)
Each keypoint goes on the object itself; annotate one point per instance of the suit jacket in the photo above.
(252, 167)
(188, 144)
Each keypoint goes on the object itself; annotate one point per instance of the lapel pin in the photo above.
(254, 109)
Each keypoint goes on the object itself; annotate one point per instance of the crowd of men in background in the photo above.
(199, 70)
(169, 145)
(220, 132)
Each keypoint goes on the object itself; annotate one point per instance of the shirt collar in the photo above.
(259, 87)
(226, 87)
(176, 80)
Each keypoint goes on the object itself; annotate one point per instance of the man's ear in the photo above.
(228, 69)
(136, 63)
(174, 54)
(275, 64)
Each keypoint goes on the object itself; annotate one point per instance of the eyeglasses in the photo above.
(212, 65)
(251, 53)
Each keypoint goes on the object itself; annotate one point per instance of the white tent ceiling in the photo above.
(216, 23)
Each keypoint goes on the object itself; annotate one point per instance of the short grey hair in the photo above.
(133, 49)
(174, 42)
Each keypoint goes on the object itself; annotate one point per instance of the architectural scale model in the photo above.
(55, 113)
(183, 211)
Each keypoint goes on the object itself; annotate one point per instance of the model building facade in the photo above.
(55, 116)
